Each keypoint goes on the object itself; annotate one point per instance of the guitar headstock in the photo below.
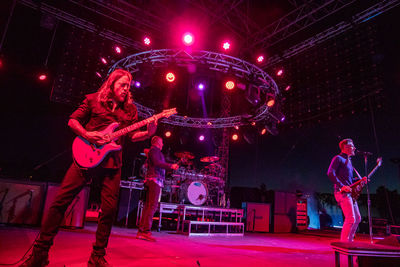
(379, 161)
(166, 113)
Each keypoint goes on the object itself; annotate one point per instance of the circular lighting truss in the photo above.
(244, 70)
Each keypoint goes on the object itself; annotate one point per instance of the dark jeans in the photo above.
(73, 182)
(150, 206)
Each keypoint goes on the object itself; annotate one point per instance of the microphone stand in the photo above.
(368, 197)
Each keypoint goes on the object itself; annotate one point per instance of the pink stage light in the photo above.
(229, 85)
(146, 41)
(42, 77)
(237, 127)
(104, 60)
(226, 45)
(98, 74)
(235, 137)
(168, 134)
(287, 88)
(118, 50)
(201, 138)
(260, 59)
(188, 39)
(200, 86)
(279, 72)
(170, 77)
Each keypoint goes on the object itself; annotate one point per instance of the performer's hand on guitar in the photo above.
(96, 138)
(174, 166)
(345, 189)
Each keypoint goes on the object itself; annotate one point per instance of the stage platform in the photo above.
(72, 248)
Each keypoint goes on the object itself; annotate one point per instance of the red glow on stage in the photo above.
(146, 41)
(1, 63)
(104, 60)
(253, 123)
(168, 134)
(271, 102)
(279, 72)
(230, 85)
(260, 59)
(226, 45)
(170, 77)
(42, 77)
(118, 50)
(235, 137)
(237, 127)
(188, 39)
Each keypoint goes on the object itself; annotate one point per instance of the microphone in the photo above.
(363, 153)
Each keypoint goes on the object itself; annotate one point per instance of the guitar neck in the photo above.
(133, 127)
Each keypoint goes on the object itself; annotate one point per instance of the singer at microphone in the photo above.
(363, 153)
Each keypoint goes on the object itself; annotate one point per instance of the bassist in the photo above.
(340, 172)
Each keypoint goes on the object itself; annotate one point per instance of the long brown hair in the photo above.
(106, 90)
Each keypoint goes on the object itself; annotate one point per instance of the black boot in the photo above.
(36, 259)
(98, 261)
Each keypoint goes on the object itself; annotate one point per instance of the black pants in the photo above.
(150, 206)
(73, 182)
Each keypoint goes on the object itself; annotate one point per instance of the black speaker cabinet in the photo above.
(75, 215)
(123, 206)
(21, 202)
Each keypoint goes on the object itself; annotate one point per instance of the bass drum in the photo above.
(197, 193)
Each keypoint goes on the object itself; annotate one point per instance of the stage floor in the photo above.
(73, 247)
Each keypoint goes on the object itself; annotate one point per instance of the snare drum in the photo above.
(197, 193)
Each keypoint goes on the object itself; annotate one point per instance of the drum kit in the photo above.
(186, 185)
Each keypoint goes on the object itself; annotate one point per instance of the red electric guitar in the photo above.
(88, 155)
(358, 186)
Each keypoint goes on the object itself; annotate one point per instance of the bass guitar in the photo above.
(88, 155)
(358, 186)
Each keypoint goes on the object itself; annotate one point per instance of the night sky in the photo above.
(34, 129)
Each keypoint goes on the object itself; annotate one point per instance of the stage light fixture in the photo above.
(201, 138)
(117, 49)
(260, 59)
(200, 86)
(270, 102)
(226, 45)
(168, 134)
(253, 123)
(287, 88)
(137, 84)
(98, 74)
(170, 77)
(279, 72)
(146, 41)
(235, 137)
(229, 85)
(263, 131)
(188, 39)
(42, 77)
(104, 60)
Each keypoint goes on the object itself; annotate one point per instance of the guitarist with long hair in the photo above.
(112, 103)
(340, 173)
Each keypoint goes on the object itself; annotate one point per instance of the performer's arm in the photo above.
(80, 116)
(158, 162)
(332, 172)
(143, 135)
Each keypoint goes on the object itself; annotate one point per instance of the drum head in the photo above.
(197, 193)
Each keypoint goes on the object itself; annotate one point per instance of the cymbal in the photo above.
(184, 154)
(209, 159)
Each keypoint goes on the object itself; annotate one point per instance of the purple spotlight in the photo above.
(137, 84)
(200, 86)
(201, 138)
